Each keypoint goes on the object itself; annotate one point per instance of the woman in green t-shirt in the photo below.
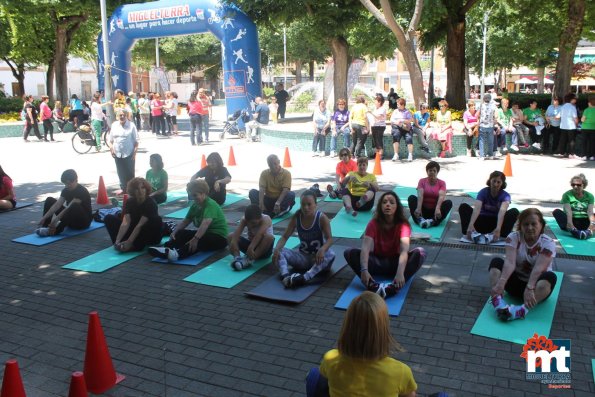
(588, 128)
(577, 217)
(207, 216)
(157, 178)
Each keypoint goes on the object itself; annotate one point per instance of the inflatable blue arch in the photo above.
(237, 33)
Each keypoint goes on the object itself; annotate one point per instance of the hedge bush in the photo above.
(8, 105)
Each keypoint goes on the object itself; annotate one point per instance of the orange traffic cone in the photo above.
(78, 387)
(508, 166)
(232, 158)
(286, 159)
(203, 162)
(100, 375)
(102, 193)
(377, 166)
(12, 384)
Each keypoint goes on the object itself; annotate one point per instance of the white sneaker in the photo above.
(537, 145)
(504, 150)
(322, 154)
(514, 147)
(395, 157)
(497, 154)
(43, 231)
(410, 157)
(237, 263)
(314, 154)
(173, 255)
(333, 153)
(480, 158)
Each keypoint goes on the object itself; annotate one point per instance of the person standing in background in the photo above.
(282, 97)
(206, 112)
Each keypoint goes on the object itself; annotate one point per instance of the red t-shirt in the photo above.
(387, 243)
(431, 192)
(206, 102)
(195, 107)
(156, 110)
(343, 169)
(6, 187)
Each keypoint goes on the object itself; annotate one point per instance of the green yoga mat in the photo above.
(347, 226)
(294, 209)
(102, 260)
(538, 320)
(220, 273)
(404, 192)
(329, 199)
(230, 198)
(434, 232)
(593, 368)
(171, 196)
(571, 244)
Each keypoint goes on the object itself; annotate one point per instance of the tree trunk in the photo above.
(540, 77)
(415, 74)
(298, 72)
(311, 70)
(340, 51)
(455, 63)
(467, 83)
(60, 62)
(568, 41)
(49, 80)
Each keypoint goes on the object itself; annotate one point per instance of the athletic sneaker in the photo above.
(390, 290)
(331, 191)
(498, 302)
(395, 158)
(476, 237)
(43, 231)
(294, 280)
(576, 233)
(410, 157)
(159, 252)
(537, 145)
(237, 263)
(379, 290)
(426, 223)
(333, 154)
(285, 211)
(585, 234)
(173, 255)
(489, 238)
(426, 149)
(514, 148)
(314, 154)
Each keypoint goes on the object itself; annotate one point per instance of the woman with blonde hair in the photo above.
(361, 365)
(443, 128)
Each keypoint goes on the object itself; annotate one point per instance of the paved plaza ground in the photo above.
(174, 338)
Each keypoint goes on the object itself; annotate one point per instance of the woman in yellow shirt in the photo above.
(359, 188)
(358, 124)
(361, 365)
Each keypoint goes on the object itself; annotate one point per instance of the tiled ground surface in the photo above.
(173, 338)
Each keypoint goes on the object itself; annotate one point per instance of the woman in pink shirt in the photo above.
(157, 112)
(46, 118)
(471, 122)
(429, 208)
(195, 109)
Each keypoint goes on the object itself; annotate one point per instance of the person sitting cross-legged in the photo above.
(207, 216)
(429, 208)
(274, 196)
(72, 209)
(526, 270)
(385, 249)
(313, 254)
(359, 189)
(258, 244)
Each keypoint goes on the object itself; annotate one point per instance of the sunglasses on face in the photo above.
(442, 106)
(576, 184)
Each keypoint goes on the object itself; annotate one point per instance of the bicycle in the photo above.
(83, 139)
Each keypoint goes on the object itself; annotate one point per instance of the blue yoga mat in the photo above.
(20, 204)
(192, 260)
(355, 288)
(34, 239)
(538, 320)
(230, 198)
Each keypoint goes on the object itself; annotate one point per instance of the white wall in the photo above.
(80, 74)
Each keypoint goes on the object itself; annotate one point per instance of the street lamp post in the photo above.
(107, 75)
(483, 60)
(284, 58)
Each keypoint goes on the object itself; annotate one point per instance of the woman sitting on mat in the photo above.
(361, 365)
(359, 189)
(344, 167)
(385, 249)
(207, 216)
(429, 208)
(313, 254)
(157, 178)
(216, 176)
(577, 217)
(489, 218)
(140, 224)
(258, 244)
(7, 196)
(526, 271)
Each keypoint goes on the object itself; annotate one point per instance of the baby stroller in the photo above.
(235, 124)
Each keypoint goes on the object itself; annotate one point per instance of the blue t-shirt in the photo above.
(340, 117)
(491, 205)
(76, 104)
(422, 119)
(263, 113)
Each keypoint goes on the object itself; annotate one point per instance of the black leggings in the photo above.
(386, 267)
(515, 286)
(378, 137)
(486, 224)
(48, 127)
(150, 233)
(428, 213)
(579, 223)
(208, 242)
(359, 139)
(74, 218)
(566, 145)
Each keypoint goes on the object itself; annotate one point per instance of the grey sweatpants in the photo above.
(303, 263)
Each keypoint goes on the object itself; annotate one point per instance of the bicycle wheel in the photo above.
(80, 144)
